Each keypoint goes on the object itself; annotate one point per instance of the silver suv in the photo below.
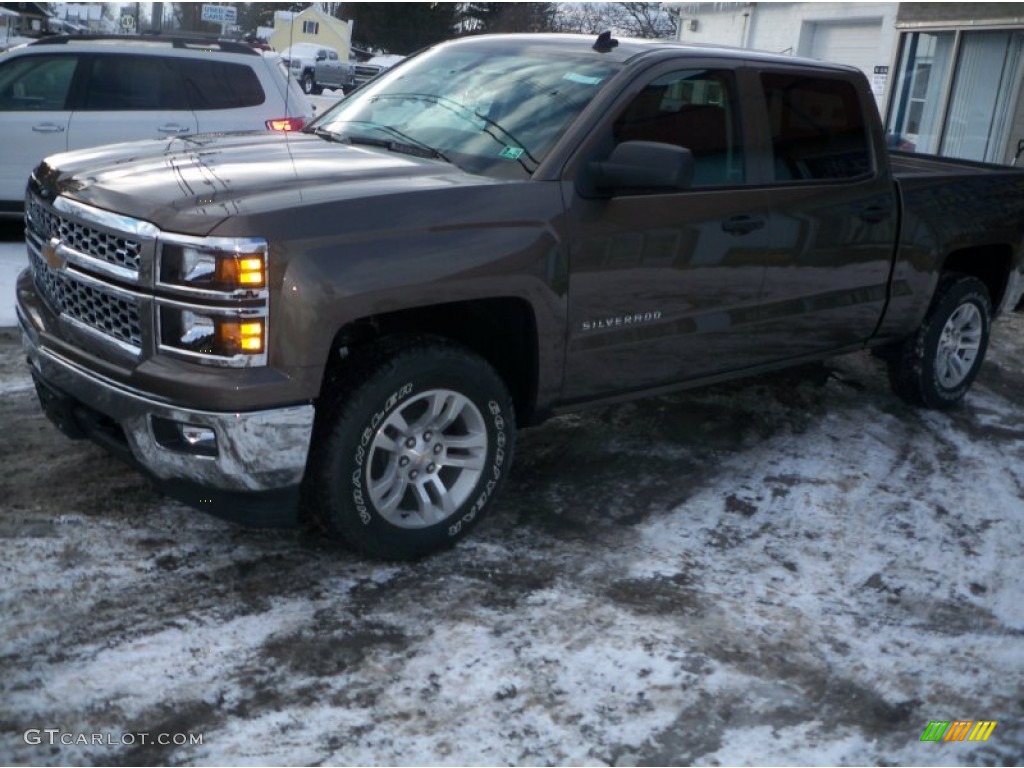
(73, 92)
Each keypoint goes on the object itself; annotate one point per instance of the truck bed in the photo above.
(906, 165)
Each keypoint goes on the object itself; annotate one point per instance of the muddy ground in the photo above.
(793, 569)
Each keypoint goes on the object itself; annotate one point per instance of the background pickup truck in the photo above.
(354, 320)
(331, 71)
(314, 67)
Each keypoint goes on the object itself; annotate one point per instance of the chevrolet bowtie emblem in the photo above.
(50, 255)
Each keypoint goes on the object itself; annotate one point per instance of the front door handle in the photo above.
(742, 225)
(48, 128)
(174, 128)
(874, 213)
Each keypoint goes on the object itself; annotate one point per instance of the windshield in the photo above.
(493, 111)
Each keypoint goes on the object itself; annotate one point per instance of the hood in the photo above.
(191, 184)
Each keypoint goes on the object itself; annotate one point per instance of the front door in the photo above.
(664, 286)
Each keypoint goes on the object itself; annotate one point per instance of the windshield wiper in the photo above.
(457, 109)
(406, 144)
(398, 146)
(323, 133)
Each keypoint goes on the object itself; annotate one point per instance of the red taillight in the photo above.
(286, 124)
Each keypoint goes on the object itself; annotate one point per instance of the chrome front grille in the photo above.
(121, 252)
(99, 245)
(74, 253)
(364, 72)
(44, 222)
(100, 309)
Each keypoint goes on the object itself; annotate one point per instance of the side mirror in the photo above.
(644, 165)
(321, 56)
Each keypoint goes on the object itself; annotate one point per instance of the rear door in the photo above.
(34, 116)
(129, 97)
(833, 221)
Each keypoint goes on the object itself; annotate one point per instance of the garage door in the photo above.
(854, 43)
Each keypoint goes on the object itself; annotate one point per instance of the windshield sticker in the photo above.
(576, 77)
(512, 153)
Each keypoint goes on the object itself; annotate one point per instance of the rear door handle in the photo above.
(742, 225)
(48, 128)
(173, 128)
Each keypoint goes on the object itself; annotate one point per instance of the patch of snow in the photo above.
(759, 573)
(13, 260)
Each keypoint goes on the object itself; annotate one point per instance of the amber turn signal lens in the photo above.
(246, 270)
(245, 336)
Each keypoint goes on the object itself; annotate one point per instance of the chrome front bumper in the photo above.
(255, 451)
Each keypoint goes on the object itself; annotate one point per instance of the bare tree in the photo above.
(643, 19)
(626, 19)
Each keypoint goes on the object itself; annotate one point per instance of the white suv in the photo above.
(72, 92)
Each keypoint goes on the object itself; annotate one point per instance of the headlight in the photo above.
(217, 267)
(213, 299)
(226, 337)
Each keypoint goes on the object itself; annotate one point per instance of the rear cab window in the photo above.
(818, 128)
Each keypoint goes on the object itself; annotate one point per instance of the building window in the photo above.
(956, 93)
(984, 90)
(311, 27)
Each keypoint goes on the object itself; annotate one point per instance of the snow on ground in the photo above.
(794, 569)
(12, 261)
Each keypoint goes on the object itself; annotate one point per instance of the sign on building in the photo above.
(220, 14)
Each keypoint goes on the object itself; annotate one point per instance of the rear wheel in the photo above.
(411, 449)
(937, 365)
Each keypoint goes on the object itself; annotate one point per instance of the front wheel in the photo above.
(937, 365)
(309, 85)
(412, 448)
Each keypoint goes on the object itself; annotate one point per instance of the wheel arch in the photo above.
(992, 264)
(503, 331)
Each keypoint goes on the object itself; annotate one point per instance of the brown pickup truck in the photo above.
(355, 319)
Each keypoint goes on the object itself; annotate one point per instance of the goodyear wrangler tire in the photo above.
(937, 365)
(413, 448)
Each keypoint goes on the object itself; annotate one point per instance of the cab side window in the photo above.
(694, 109)
(129, 83)
(817, 127)
(36, 83)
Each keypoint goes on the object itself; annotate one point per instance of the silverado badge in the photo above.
(614, 322)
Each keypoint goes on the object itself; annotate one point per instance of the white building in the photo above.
(948, 77)
(860, 34)
(957, 89)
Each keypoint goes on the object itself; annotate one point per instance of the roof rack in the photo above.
(177, 40)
